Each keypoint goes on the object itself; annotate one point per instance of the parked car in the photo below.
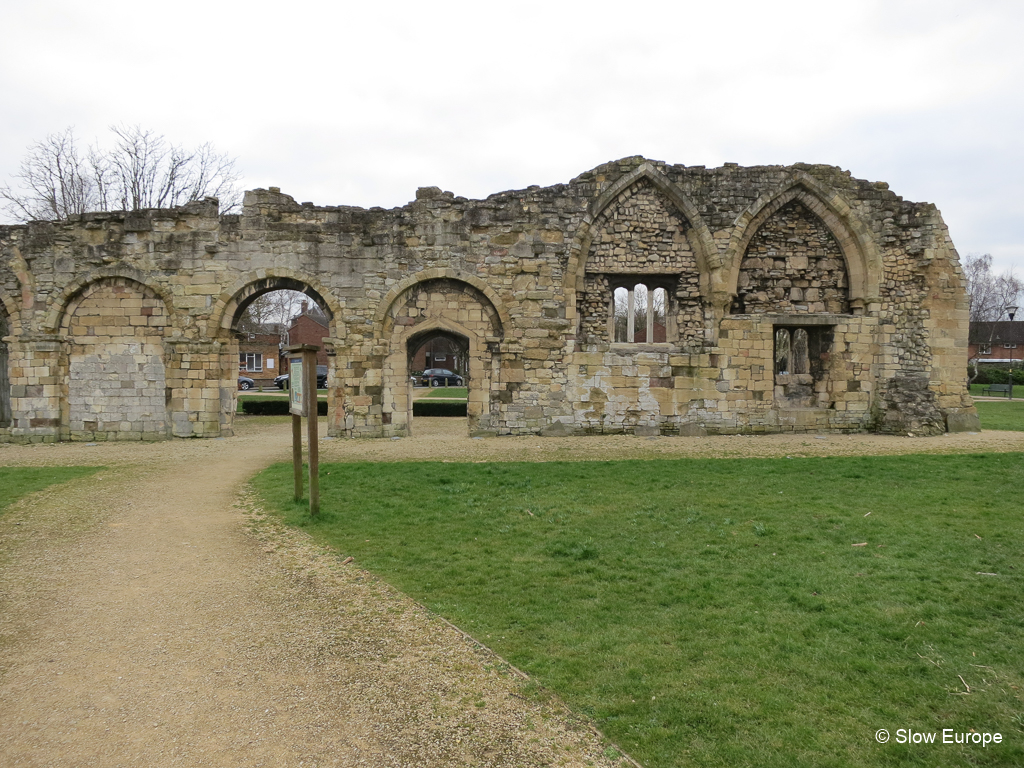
(438, 377)
(281, 382)
(244, 382)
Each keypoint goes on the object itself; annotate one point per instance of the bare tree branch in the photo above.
(141, 170)
(54, 181)
(273, 307)
(989, 293)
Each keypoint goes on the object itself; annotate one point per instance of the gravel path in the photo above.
(150, 615)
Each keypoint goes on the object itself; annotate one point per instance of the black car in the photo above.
(281, 382)
(244, 382)
(439, 377)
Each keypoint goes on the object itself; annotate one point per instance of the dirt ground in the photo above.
(151, 615)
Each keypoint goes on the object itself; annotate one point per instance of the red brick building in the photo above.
(1000, 342)
(309, 327)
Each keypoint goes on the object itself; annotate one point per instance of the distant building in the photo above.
(259, 353)
(310, 326)
(999, 342)
(439, 352)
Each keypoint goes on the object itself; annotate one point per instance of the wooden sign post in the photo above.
(302, 402)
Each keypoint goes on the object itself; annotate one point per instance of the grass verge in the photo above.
(450, 393)
(17, 482)
(1001, 416)
(720, 612)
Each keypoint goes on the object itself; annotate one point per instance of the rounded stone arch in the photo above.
(863, 261)
(380, 317)
(63, 307)
(115, 359)
(15, 266)
(706, 253)
(233, 301)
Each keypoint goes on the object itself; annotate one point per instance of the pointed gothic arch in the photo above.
(863, 261)
(591, 279)
(474, 319)
(703, 244)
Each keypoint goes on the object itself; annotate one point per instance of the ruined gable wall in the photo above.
(522, 250)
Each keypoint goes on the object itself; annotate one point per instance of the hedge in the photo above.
(438, 408)
(988, 375)
(277, 406)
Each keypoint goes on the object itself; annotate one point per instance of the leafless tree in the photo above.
(273, 307)
(990, 293)
(56, 181)
(142, 170)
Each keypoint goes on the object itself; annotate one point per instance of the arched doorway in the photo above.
(264, 316)
(439, 349)
(463, 317)
(432, 355)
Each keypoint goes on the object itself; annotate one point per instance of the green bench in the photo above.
(999, 388)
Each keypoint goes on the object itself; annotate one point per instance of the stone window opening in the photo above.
(639, 314)
(800, 356)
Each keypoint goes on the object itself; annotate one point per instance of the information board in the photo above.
(296, 386)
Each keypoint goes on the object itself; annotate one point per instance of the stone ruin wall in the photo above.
(106, 310)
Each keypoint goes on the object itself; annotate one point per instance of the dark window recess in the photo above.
(801, 360)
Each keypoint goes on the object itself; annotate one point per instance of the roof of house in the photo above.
(315, 315)
(998, 332)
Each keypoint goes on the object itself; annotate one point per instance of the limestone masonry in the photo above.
(640, 297)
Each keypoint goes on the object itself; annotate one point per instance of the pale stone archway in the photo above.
(862, 260)
(448, 306)
(228, 311)
(116, 383)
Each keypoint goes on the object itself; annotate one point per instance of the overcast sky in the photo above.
(361, 103)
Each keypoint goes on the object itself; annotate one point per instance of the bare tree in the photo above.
(55, 181)
(989, 293)
(141, 170)
(273, 307)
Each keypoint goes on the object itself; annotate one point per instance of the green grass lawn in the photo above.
(718, 612)
(450, 393)
(16, 482)
(1005, 416)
